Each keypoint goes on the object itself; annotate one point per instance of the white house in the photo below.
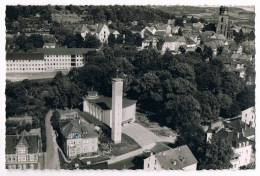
(79, 138)
(100, 30)
(248, 116)
(172, 43)
(165, 158)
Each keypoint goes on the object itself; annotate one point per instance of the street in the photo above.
(51, 156)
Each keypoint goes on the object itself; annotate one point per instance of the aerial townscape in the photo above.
(130, 87)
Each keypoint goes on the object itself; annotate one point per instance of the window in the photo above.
(222, 19)
(148, 165)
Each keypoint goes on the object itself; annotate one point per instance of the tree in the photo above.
(55, 120)
(182, 50)
(210, 27)
(218, 154)
(239, 36)
(92, 41)
(251, 36)
(179, 22)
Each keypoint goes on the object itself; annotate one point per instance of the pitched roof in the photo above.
(177, 158)
(65, 51)
(31, 141)
(106, 102)
(24, 56)
(85, 129)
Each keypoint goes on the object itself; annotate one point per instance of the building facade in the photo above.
(79, 138)
(223, 26)
(179, 158)
(46, 60)
(248, 116)
(23, 151)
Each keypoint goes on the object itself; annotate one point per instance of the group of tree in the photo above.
(181, 90)
(23, 42)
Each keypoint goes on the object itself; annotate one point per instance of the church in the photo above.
(114, 111)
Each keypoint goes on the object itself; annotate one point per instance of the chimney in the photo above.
(117, 109)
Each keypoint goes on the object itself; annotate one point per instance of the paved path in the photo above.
(140, 134)
(52, 160)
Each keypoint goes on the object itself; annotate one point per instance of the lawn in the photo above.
(127, 145)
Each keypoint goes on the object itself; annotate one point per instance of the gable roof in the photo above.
(86, 130)
(24, 56)
(31, 141)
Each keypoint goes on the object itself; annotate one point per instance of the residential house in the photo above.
(100, 30)
(23, 151)
(115, 33)
(79, 138)
(162, 157)
(248, 116)
(172, 43)
(150, 41)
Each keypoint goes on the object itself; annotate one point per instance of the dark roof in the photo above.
(31, 141)
(24, 56)
(249, 132)
(177, 158)
(85, 129)
(106, 102)
(64, 50)
(160, 147)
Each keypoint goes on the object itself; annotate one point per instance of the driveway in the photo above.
(51, 156)
(144, 137)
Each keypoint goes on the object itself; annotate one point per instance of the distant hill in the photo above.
(239, 15)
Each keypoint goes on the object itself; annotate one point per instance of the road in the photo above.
(51, 156)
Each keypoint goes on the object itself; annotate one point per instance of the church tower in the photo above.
(117, 109)
(223, 22)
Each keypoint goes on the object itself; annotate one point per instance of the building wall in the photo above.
(25, 66)
(22, 161)
(151, 163)
(106, 115)
(129, 113)
(49, 63)
(248, 116)
(244, 152)
(78, 146)
(190, 167)
(103, 34)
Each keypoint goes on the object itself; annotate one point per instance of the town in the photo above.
(130, 87)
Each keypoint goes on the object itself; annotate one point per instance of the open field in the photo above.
(14, 77)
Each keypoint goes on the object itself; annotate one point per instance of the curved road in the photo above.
(52, 160)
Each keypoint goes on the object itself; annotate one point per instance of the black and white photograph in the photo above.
(130, 87)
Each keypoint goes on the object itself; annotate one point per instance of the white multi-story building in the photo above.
(248, 116)
(46, 60)
(242, 149)
(79, 138)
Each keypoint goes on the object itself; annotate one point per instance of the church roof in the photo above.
(106, 102)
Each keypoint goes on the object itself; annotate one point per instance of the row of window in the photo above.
(23, 65)
(77, 55)
(15, 69)
(50, 60)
